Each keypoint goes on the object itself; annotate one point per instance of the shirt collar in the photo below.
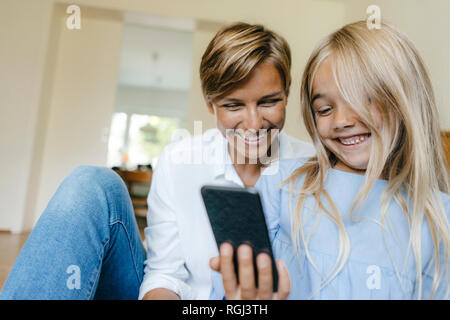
(223, 165)
(286, 149)
(221, 155)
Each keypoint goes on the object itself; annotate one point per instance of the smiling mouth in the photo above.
(353, 140)
(254, 139)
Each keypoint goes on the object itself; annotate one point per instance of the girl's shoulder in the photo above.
(446, 202)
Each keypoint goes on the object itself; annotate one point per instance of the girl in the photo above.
(367, 218)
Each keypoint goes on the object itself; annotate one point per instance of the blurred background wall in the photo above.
(62, 91)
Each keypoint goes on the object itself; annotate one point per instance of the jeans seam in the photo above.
(98, 269)
(133, 254)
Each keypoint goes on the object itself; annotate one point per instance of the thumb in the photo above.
(284, 283)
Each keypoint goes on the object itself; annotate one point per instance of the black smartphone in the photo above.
(236, 216)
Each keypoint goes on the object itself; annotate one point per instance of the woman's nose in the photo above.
(253, 119)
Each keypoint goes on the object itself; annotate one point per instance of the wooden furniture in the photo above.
(138, 184)
(445, 136)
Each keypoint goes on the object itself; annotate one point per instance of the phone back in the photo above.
(236, 216)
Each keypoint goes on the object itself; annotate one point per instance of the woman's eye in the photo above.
(269, 103)
(232, 106)
(324, 111)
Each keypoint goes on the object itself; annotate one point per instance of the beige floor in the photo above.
(11, 244)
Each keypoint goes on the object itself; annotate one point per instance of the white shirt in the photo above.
(179, 238)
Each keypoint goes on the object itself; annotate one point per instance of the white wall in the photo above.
(159, 102)
(197, 110)
(24, 36)
(57, 91)
(155, 56)
(83, 98)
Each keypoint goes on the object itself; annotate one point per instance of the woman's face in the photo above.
(339, 127)
(248, 114)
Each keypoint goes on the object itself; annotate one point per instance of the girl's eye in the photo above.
(324, 111)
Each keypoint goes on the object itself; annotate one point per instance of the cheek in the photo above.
(377, 116)
(322, 127)
(226, 119)
(276, 115)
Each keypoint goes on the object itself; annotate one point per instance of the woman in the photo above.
(245, 74)
(86, 244)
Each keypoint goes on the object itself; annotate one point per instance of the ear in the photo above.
(210, 108)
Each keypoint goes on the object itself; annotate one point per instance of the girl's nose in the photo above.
(344, 117)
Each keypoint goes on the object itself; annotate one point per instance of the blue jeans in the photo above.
(86, 244)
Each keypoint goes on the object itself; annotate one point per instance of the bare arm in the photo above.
(161, 294)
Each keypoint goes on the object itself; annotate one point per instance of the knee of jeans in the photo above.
(89, 190)
(100, 176)
(100, 180)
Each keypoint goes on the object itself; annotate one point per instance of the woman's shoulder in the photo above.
(278, 172)
(268, 186)
(282, 169)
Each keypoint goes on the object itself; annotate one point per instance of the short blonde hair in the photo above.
(233, 54)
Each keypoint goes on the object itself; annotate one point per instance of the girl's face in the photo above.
(339, 127)
(248, 114)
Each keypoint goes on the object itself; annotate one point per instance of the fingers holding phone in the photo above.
(238, 221)
(244, 285)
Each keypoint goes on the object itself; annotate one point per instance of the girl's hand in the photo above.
(246, 288)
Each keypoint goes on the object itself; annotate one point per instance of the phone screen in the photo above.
(236, 216)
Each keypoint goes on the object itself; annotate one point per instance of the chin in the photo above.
(357, 166)
(353, 164)
(253, 155)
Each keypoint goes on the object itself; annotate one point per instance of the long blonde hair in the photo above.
(381, 68)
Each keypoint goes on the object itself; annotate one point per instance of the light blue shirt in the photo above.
(379, 265)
